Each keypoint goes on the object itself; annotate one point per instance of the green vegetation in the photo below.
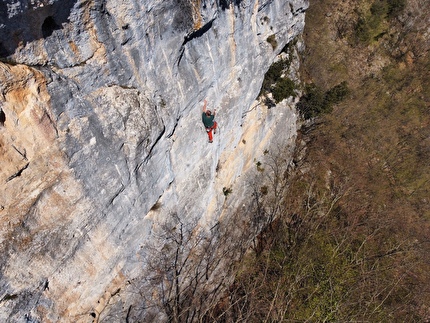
(315, 102)
(372, 23)
(227, 191)
(273, 75)
(280, 86)
(283, 89)
(395, 7)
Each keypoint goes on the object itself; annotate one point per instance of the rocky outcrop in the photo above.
(102, 142)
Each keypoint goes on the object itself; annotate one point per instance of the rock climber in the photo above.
(208, 121)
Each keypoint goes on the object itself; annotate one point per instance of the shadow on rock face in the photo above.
(2, 117)
(26, 21)
(225, 4)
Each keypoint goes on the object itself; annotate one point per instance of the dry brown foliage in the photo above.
(351, 242)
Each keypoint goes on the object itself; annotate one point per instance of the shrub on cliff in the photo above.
(280, 86)
(283, 89)
(272, 75)
(315, 102)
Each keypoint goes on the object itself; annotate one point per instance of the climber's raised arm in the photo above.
(204, 105)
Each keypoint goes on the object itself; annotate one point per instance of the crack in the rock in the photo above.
(264, 5)
(194, 34)
(173, 130)
(23, 154)
(18, 173)
(148, 156)
(198, 33)
(122, 188)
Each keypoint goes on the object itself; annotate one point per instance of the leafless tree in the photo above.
(188, 268)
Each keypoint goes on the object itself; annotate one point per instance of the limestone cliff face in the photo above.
(102, 139)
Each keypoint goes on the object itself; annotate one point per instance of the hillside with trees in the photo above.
(350, 242)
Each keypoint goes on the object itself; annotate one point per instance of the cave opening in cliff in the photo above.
(48, 27)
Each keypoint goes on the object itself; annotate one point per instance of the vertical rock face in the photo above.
(101, 136)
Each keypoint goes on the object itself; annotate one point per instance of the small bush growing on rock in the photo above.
(264, 190)
(259, 168)
(272, 75)
(226, 191)
(272, 41)
(283, 89)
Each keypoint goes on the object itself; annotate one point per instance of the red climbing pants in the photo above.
(209, 131)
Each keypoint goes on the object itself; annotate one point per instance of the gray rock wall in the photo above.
(103, 140)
